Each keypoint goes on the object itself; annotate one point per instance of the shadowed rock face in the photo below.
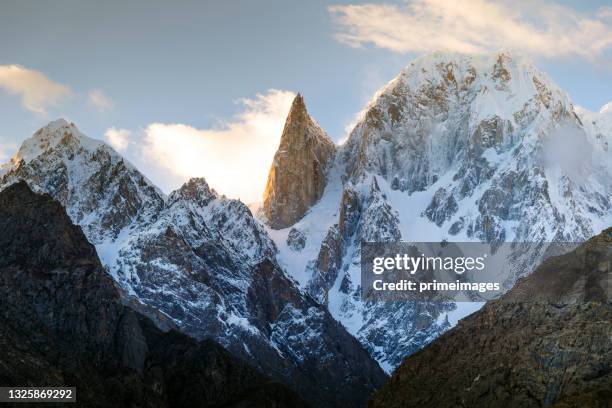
(544, 343)
(198, 262)
(62, 323)
(297, 177)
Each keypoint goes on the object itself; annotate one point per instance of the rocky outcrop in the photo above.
(199, 262)
(296, 239)
(333, 248)
(323, 361)
(544, 343)
(442, 207)
(298, 173)
(388, 330)
(363, 216)
(63, 323)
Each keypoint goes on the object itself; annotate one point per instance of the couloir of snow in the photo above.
(413, 226)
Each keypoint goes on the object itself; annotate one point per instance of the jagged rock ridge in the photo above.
(544, 343)
(202, 261)
(63, 323)
(297, 176)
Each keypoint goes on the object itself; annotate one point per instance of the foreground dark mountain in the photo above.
(62, 322)
(546, 342)
(201, 260)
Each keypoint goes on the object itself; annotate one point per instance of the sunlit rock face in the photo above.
(297, 177)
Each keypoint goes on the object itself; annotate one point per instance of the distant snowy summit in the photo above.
(598, 124)
(48, 137)
(456, 147)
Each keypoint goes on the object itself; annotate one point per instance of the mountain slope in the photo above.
(545, 342)
(63, 324)
(202, 261)
(461, 148)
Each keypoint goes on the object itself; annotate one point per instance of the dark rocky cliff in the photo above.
(62, 323)
(544, 343)
(199, 262)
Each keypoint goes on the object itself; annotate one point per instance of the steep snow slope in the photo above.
(598, 124)
(200, 259)
(456, 147)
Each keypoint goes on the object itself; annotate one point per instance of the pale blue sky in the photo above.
(189, 62)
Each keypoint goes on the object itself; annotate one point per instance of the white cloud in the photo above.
(100, 100)
(118, 138)
(536, 27)
(37, 92)
(234, 157)
(7, 150)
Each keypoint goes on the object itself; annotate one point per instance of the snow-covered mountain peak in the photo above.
(607, 108)
(447, 109)
(48, 137)
(486, 65)
(495, 85)
(440, 88)
(100, 190)
(456, 147)
(55, 125)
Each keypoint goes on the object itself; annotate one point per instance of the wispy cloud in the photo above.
(119, 139)
(536, 27)
(6, 151)
(98, 99)
(234, 157)
(37, 92)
